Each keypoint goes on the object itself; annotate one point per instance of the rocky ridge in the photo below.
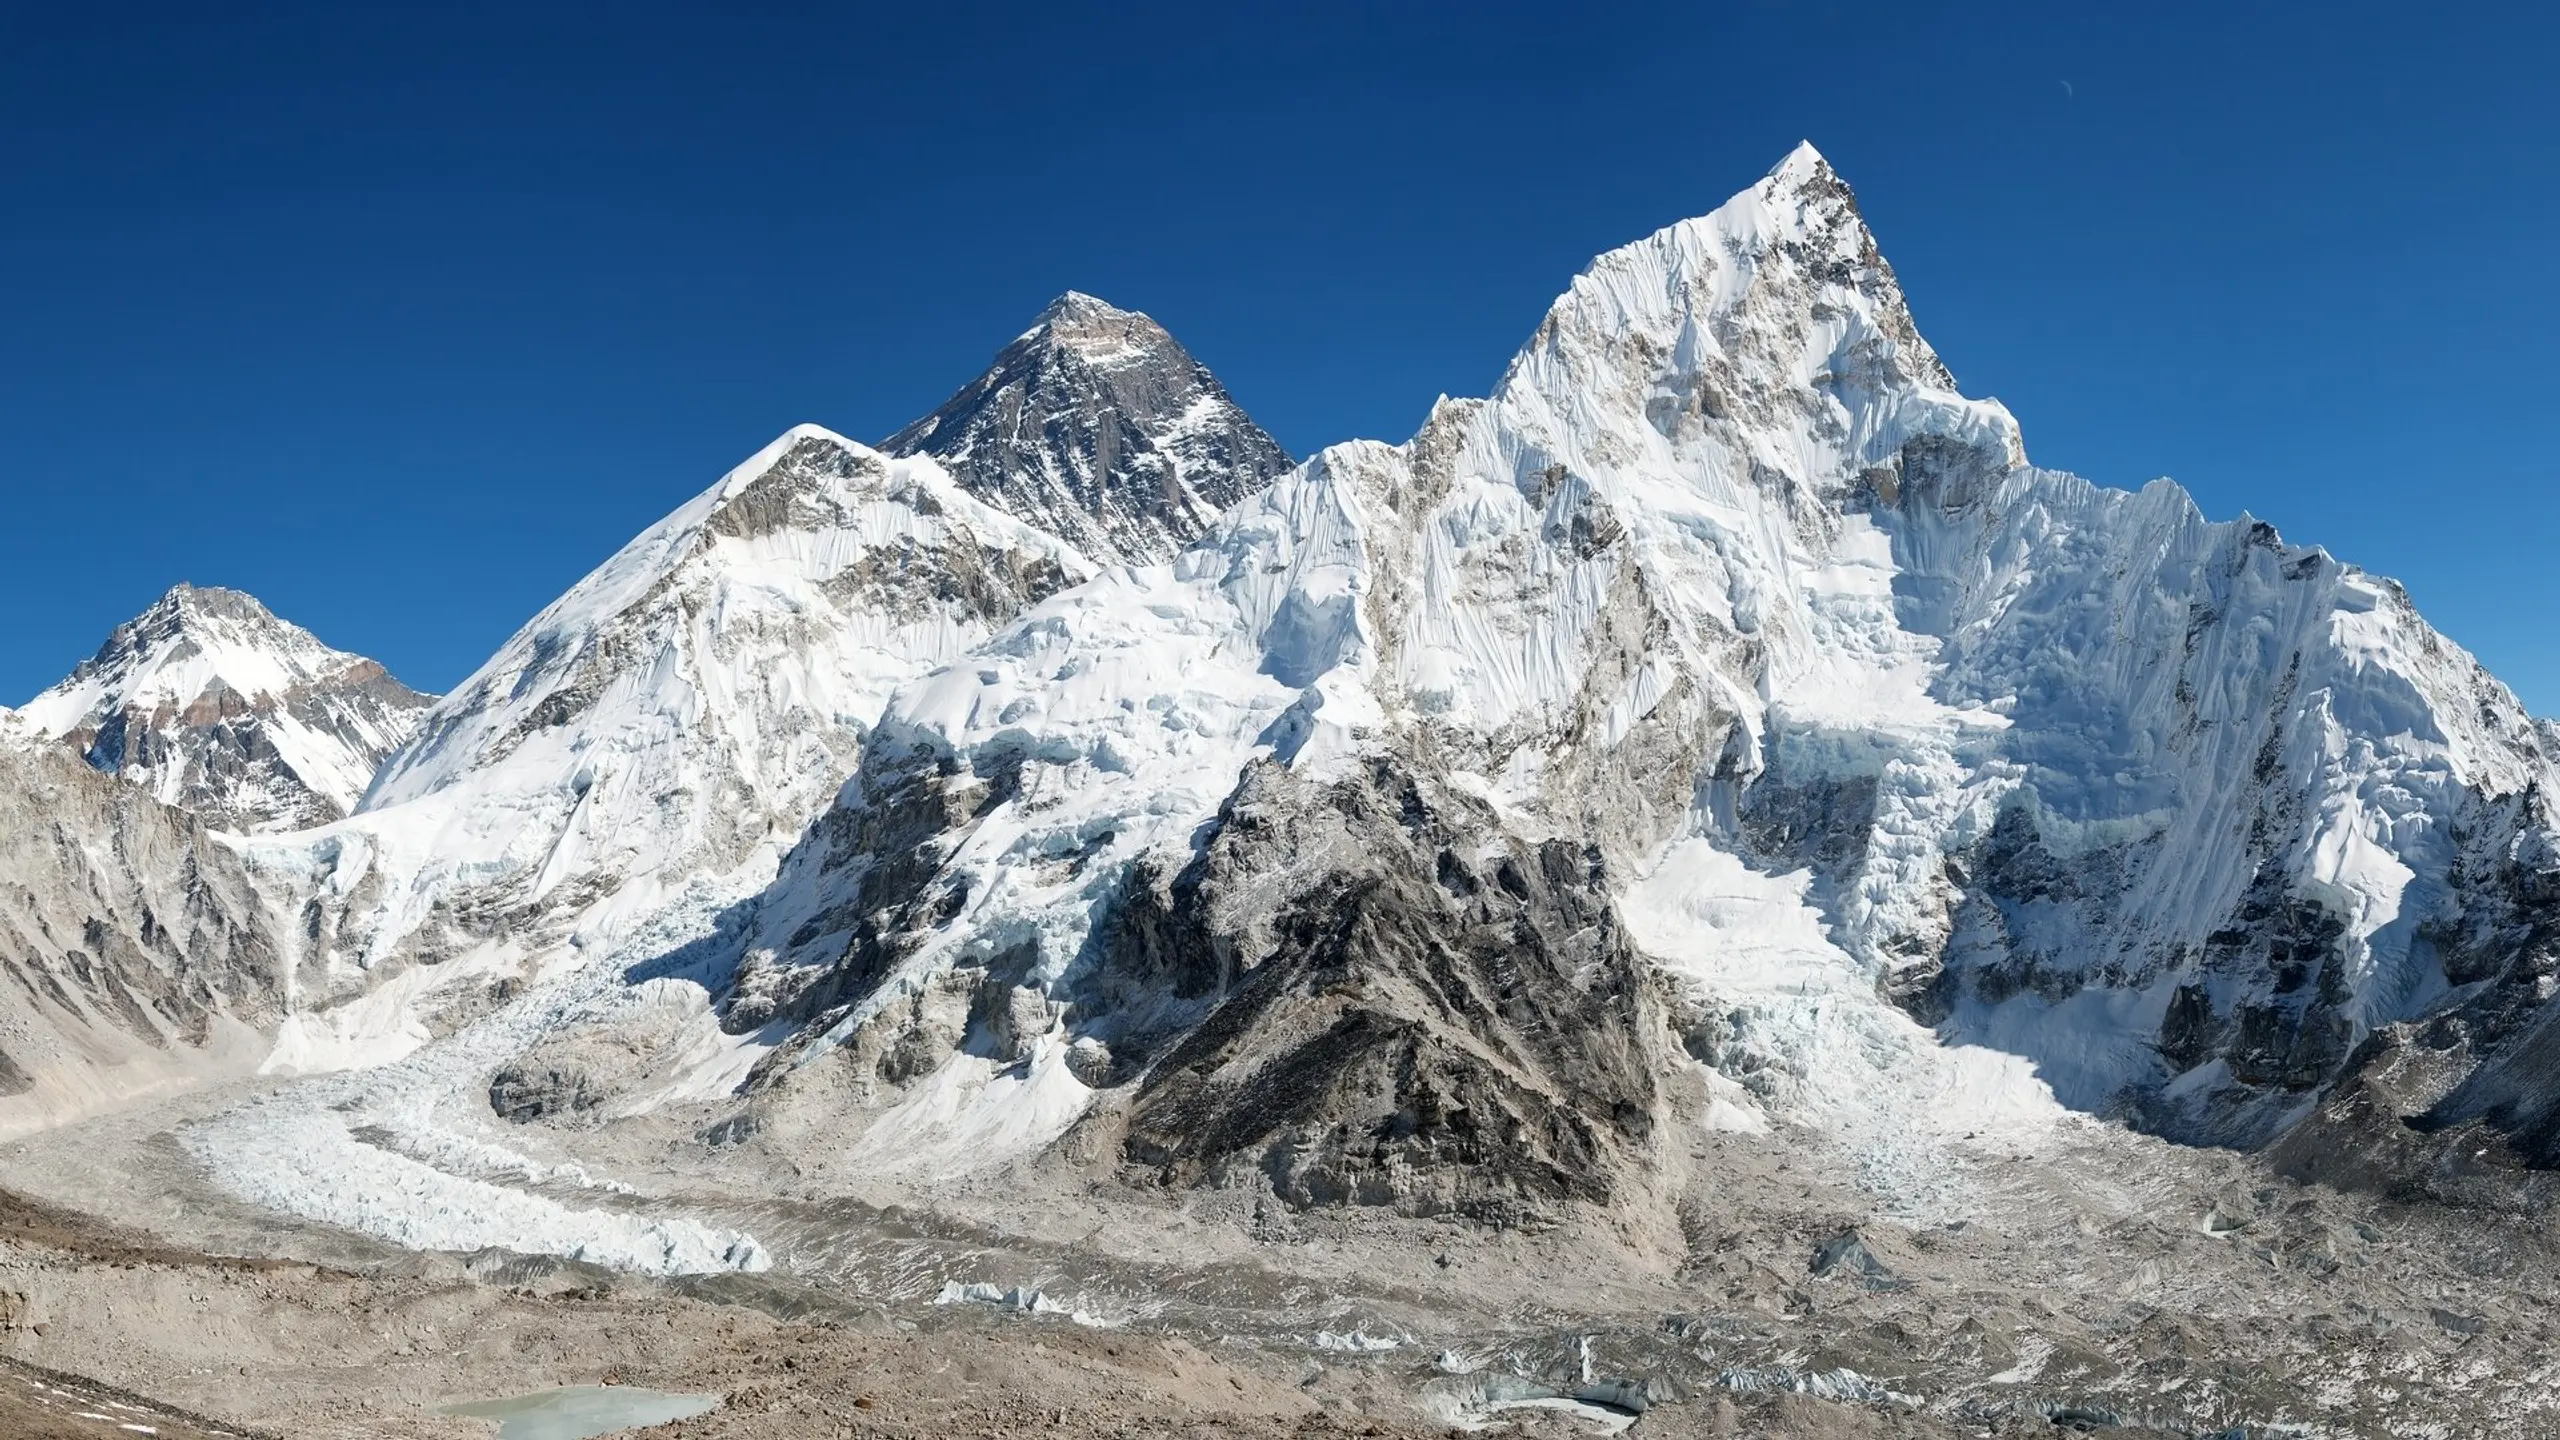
(135, 950)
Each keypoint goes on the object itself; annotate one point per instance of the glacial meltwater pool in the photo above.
(576, 1412)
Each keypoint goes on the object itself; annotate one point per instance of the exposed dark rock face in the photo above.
(1096, 426)
(1358, 990)
(880, 864)
(214, 705)
(525, 1093)
(2462, 1105)
(1403, 1013)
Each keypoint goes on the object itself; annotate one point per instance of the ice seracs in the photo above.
(211, 703)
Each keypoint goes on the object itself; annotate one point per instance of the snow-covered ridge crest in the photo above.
(656, 737)
(880, 501)
(213, 704)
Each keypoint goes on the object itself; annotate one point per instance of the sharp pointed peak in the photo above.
(1805, 183)
(1802, 163)
(1098, 426)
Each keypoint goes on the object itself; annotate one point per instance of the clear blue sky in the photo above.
(404, 320)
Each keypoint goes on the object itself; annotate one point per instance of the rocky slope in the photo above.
(135, 952)
(213, 704)
(1095, 426)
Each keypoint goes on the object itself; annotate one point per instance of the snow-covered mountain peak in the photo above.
(642, 750)
(1775, 308)
(899, 542)
(218, 706)
(1804, 164)
(185, 598)
(1096, 425)
(193, 642)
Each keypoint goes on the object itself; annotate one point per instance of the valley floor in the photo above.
(2107, 1284)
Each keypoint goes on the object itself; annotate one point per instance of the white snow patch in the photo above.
(1810, 1041)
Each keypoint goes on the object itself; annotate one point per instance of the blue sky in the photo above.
(404, 318)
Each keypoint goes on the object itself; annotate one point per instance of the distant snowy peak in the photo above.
(216, 706)
(1095, 425)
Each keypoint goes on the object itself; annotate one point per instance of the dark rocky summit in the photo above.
(1096, 426)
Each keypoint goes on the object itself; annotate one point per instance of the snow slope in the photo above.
(2242, 776)
(653, 740)
(211, 703)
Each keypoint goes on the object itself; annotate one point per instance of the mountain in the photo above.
(640, 755)
(614, 785)
(1685, 883)
(212, 704)
(1722, 728)
(134, 948)
(1097, 427)
(1727, 686)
